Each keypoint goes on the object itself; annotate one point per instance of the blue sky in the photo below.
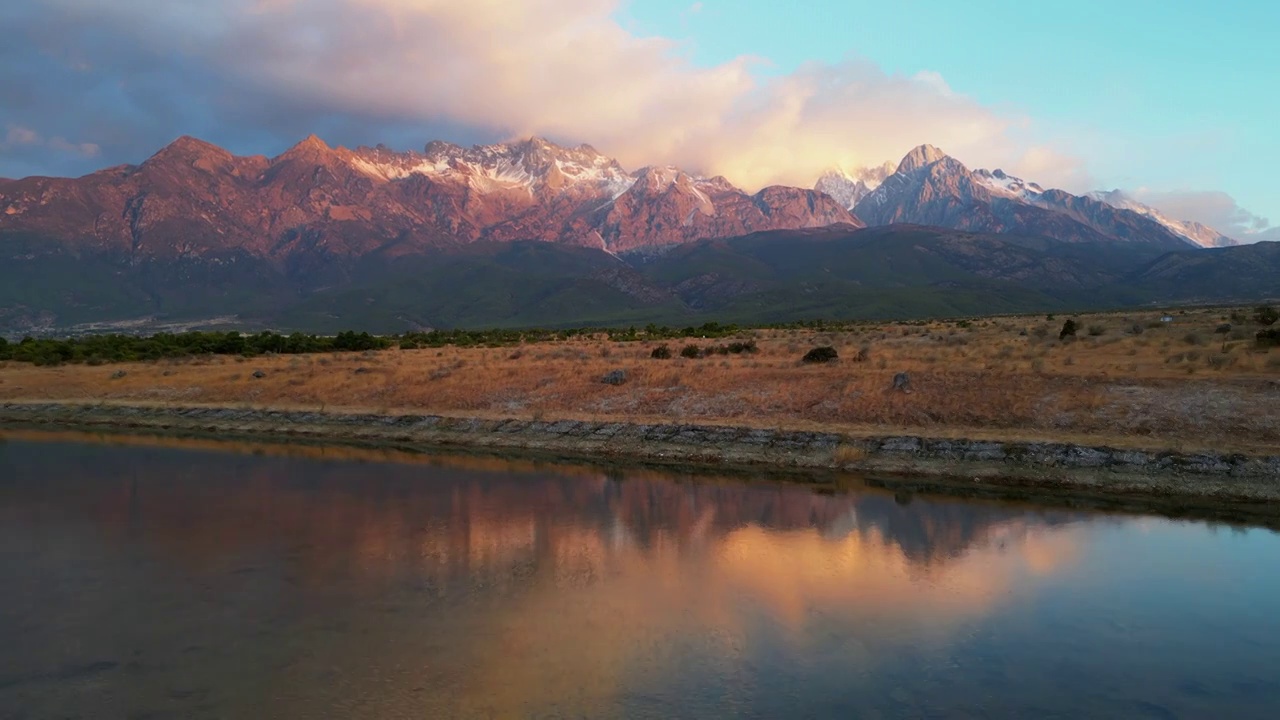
(1174, 95)
(1174, 102)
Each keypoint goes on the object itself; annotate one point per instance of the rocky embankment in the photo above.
(1181, 480)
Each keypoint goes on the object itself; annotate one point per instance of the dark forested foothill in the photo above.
(94, 349)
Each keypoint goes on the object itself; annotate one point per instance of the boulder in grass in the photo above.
(902, 382)
(824, 354)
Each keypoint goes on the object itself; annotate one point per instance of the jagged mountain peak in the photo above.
(188, 148)
(312, 142)
(177, 159)
(532, 149)
(932, 188)
(999, 183)
(310, 148)
(656, 178)
(920, 156)
(441, 148)
(1191, 230)
(842, 188)
(536, 151)
(536, 145)
(849, 187)
(535, 164)
(189, 142)
(315, 203)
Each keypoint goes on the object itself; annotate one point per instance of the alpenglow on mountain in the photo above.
(194, 198)
(929, 187)
(533, 233)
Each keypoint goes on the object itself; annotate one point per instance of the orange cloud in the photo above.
(568, 70)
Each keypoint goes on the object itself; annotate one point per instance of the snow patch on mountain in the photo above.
(1001, 183)
(659, 179)
(1200, 234)
(849, 187)
(533, 164)
(932, 188)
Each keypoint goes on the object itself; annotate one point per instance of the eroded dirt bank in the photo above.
(1236, 485)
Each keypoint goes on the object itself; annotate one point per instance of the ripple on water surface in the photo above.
(206, 581)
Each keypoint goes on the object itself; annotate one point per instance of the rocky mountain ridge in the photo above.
(928, 187)
(848, 188)
(194, 198)
(932, 188)
(1198, 233)
(530, 232)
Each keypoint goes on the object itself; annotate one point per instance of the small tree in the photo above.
(691, 352)
(662, 352)
(1069, 329)
(1266, 315)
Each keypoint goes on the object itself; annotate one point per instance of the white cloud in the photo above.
(17, 137)
(84, 149)
(1218, 210)
(263, 72)
(568, 70)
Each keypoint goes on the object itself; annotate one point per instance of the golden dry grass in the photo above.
(1179, 385)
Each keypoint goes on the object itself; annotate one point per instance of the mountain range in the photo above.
(195, 198)
(930, 187)
(322, 236)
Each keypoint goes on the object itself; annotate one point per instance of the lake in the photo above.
(154, 579)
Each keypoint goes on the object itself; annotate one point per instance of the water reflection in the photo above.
(211, 584)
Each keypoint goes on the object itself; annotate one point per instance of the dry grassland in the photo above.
(1126, 380)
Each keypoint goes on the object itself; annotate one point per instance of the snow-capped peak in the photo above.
(849, 187)
(1003, 184)
(920, 156)
(1200, 234)
(532, 164)
(658, 177)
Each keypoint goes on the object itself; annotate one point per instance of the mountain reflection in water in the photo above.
(201, 583)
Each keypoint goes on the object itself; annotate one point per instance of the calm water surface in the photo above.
(195, 582)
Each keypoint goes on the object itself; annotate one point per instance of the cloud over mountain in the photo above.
(105, 83)
(252, 73)
(1215, 209)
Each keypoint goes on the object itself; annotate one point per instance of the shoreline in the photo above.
(1206, 485)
